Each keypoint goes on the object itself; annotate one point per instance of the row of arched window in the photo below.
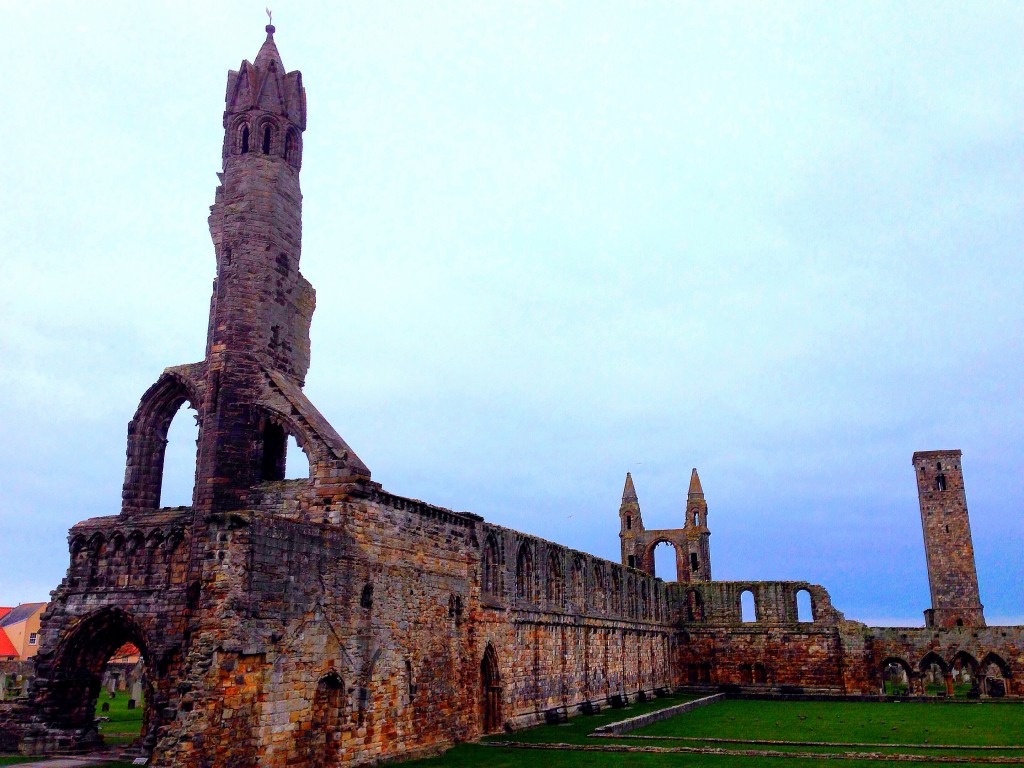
(749, 607)
(566, 582)
(266, 137)
(133, 560)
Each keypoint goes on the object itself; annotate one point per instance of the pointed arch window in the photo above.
(245, 140)
(268, 136)
(490, 568)
(524, 573)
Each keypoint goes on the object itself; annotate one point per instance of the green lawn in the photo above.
(124, 727)
(842, 722)
(125, 724)
(845, 722)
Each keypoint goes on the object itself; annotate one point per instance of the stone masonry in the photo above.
(325, 621)
(948, 547)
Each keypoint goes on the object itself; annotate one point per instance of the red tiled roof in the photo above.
(6, 646)
(4, 611)
(126, 650)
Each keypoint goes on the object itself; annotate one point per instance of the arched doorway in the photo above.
(81, 659)
(935, 677)
(964, 673)
(490, 682)
(323, 741)
(994, 676)
(897, 677)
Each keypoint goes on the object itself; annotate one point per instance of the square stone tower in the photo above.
(952, 575)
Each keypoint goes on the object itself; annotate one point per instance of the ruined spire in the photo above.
(695, 492)
(629, 492)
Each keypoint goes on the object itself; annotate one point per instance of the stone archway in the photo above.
(490, 693)
(70, 691)
(935, 675)
(323, 739)
(679, 548)
(897, 677)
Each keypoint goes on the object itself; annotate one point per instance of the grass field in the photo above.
(124, 727)
(729, 726)
(125, 724)
(739, 723)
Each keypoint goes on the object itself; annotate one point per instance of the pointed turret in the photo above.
(695, 492)
(631, 524)
(697, 530)
(268, 53)
(628, 491)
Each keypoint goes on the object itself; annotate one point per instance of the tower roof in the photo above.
(268, 53)
(695, 489)
(628, 491)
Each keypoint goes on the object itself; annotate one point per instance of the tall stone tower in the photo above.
(631, 524)
(247, 393)
(952, 574)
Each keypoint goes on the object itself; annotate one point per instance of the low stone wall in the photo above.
(631, 724)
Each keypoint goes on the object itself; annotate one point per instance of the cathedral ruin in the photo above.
(325, 621)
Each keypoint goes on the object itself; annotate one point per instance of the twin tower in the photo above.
(691, 542)
(949, 551)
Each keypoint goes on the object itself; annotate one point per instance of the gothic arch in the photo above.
(891, 682)
(490, 693)
(994, 658)
(267, 135)
(577, 584)
(147, 438)
(490, 567)
(242, 137)
(679, 547)
(322, 734)
(524, 573)
(554, 587)
(274, 428)
(73, 684)
(933, 658)
(598, 594)
(995, 684)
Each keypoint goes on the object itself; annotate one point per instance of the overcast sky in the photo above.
(552, 243)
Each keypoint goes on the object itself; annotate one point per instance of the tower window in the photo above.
(629, 523)
(267, 135)
(940, 483)
(632, 561)
(245, 140)
(693, 562)
(275, 443)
